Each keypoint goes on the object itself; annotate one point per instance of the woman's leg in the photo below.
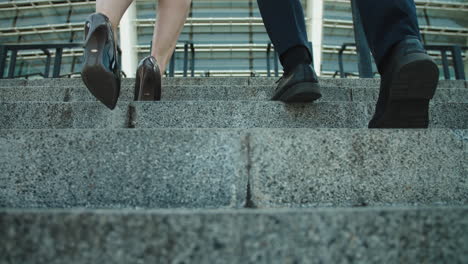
(114, 10)
(171, 16)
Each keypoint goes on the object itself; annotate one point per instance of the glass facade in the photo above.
(229, 36)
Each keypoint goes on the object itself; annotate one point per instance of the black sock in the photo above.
(295, 56)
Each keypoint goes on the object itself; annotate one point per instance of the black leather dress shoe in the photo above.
(408, 84)
(298, 86)
(101, 68)
(148, 80)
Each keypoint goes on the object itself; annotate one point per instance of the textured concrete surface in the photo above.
(36, 115)
(169, 93)
(452, 115)
(287, 167)
(248, 114)
(325, 82)
(349, 167)
(441, 115)
(129, 81)
(152, 166)
(443, 95)
(355, 83)
(41, 94)
(463, 135)
(212, 114)
(208, 93)
(122, 168)
(369, 235)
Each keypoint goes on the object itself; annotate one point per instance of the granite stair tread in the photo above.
(231, 81)
(218, 173)
(338, 235)
(212, 114)
(209, 93)
(232, 168)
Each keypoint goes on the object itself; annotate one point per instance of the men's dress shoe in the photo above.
(101, 68)
(408, 84)
(300, 85)
(148, 80)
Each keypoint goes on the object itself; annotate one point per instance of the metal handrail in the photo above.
(211, 22)
(340, 59)
(457, 58)
(59, 47)
(275, 60)
(37, 4)
(14, 48)
(187, 45)
(455, 50)
(364, 58)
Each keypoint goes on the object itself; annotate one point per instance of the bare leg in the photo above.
(114, 10)
(171, 17)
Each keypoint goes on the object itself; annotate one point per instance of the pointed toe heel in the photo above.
(101, 71)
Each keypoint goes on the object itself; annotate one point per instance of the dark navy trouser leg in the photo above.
(387, 22)
(284, 22)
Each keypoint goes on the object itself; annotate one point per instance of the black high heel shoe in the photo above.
(148, 80)
(101, 68)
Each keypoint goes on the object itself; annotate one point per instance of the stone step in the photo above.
(227, 81)
(212, 114)
(351, 235)
(336, 167)
(123, 168)
(209, 93)
(214, 168)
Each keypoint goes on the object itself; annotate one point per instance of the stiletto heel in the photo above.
(101, 69)
(148, 80)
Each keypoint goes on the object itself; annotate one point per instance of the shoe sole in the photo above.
(412, 87)
(147, 85)
(305, 92)
(101, 82)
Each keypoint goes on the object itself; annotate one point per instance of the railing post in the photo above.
(57, 62)
(445, 64)
(458, 63)
(47, 66)
(185, 59)
(268, 59)
(192, 61)
(275, 63)
(3, 56)
(11, 69)
(362, 48)
(172, 65)
(340, 60)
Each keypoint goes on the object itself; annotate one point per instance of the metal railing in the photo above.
(187, 45)
(457, 59)
(455, 50)
(38, 4)
(364, 55)
(58, 55)
(4, 49)
(428, 4)
(242, 23)
(275, 60)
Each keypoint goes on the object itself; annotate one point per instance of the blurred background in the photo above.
(226, 38)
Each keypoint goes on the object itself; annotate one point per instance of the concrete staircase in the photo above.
(217, 173)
